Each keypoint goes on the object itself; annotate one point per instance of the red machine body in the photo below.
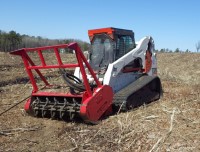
(92, 103)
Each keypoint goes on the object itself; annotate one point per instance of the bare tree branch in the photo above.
(198, 46)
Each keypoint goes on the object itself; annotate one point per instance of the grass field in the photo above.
(170, 124)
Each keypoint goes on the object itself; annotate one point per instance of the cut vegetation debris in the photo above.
(170, 124)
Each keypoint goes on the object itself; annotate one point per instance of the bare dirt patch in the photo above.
(170, 124)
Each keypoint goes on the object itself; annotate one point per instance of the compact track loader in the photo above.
(119, 74)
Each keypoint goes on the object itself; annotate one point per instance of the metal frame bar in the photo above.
(29, 64)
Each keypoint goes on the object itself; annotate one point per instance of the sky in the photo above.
(172, 23)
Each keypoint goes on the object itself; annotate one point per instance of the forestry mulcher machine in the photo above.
(118, 75)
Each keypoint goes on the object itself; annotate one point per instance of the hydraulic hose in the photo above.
(72, 81)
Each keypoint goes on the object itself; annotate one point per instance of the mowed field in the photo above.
(170, 124)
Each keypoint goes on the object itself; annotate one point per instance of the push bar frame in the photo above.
(30, 65)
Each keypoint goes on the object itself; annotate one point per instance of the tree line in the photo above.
(177, 50)
(12, 40)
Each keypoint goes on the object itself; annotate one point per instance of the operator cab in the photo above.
(108, 45)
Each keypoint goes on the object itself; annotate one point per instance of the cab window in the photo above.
(124, 45)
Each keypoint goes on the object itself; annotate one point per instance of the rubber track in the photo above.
(143, 90)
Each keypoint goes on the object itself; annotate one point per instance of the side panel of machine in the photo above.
(114, 75)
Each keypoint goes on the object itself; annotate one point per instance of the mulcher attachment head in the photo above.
(90, 104)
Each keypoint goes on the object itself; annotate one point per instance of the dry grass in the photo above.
(180, 67)
(170, 124)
